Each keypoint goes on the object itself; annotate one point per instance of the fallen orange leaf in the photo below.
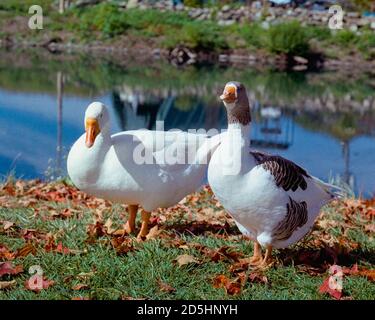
(7, 268)
(165, 287)
(5, 253)
(37, 284)
(80, 298)
(80, 286)
(27, 249)
(326, 288)
(122, 245)
(231, 287)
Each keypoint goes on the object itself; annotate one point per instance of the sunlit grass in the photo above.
(137, 274)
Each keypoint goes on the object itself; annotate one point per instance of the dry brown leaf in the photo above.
(153, 233)
(7, 225)
(80, 286)
(231, 287)
(370, 228)
(123, 297)
(119, 233)
(5, 253)
(7, 284)
(333, 292)
(220, 280)
(355, 270)
(369, 274)
(9, 188)
(37, 284)
(186, 259)
(51, 246)
(223, 253)
(33, 234)
(27, 249)
(184, 246)
(95, 231)
(85, 275)
(165, 287)
(108, 226)
(27, 202)
(64, 214)
(122, 245)
(7, 268)
(258, 278)
(241, 265)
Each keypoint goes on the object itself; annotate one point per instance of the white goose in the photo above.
(273, 200)
(113, 166)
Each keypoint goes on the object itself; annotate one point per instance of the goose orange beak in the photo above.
(229, 94)
(92, 130)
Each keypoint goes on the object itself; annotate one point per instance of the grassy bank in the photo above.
(109, 25)
(194, 249)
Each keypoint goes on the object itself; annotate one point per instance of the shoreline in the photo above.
(257, 59)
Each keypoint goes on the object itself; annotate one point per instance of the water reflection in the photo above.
(322, 121)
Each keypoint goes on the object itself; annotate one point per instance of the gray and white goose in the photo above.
(272, 199)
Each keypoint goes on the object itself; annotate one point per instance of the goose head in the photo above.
(96, 122)
(236, 102)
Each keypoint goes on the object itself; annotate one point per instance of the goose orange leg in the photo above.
(267, 261)
(130, 224)
(257, 255)
(144, 228)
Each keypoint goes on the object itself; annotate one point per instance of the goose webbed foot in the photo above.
(267, 261)
(257, 255)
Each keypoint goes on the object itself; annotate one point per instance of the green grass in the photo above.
(137, 274)
(108, 23)
(289, 38)
(176, 28)
(24, 5)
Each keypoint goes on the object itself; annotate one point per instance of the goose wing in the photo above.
(287, 174)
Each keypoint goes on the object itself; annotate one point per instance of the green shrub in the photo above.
(318, 33)
(363, 4)
(366, 44)
(345, 37)
(22, 6)
(105, 18)
(193, 3)
(253, 34)
(289, 38)
(197, 35)
(152, 23)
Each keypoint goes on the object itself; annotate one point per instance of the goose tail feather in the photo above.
(336, 192)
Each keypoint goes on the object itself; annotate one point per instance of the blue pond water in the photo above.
(36, 133)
